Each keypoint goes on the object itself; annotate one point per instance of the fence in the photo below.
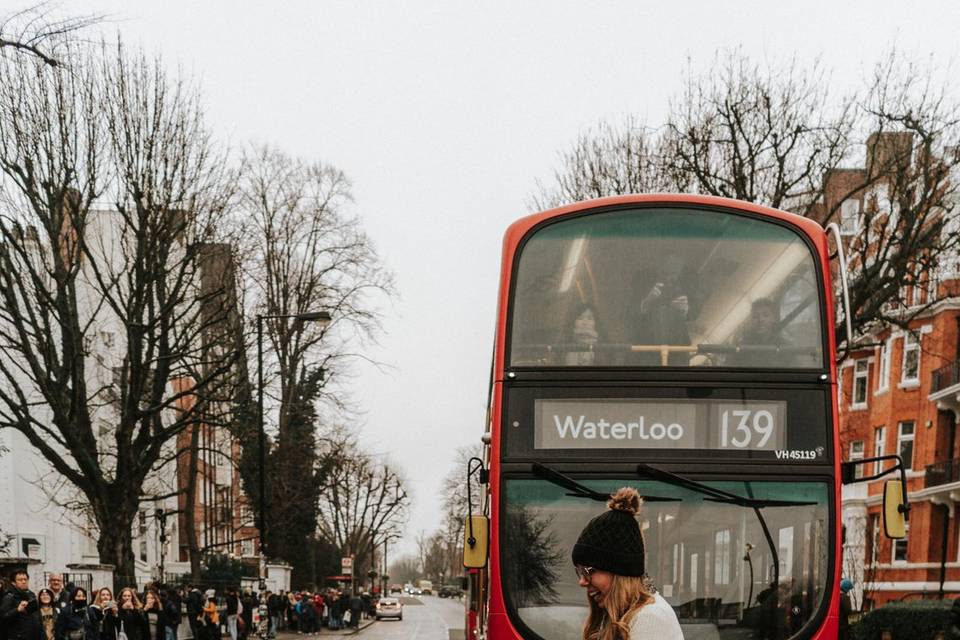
(73, 580)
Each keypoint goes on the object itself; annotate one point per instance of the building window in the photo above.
(911, 358)
(246, 548)
(900, 547)
(873, 539)
(142, 534)
(879, 435)
(905, 443)
(246, 516)
(883, 373)
(849, 217)
(860, 370)
(856, 453)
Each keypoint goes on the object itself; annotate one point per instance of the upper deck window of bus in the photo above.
(667, 286)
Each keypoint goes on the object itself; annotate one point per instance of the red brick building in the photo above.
(901, 394)
(903, 397)
(214, 513)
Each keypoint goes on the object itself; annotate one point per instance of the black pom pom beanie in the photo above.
(612, 541)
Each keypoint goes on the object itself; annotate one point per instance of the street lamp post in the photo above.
(323, 318)
(385, 588)
(161, 517)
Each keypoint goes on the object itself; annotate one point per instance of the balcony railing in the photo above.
(940, 473)
(946, 376)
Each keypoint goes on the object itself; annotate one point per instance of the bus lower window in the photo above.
(710, 561)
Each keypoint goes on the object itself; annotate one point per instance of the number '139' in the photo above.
(739, 428)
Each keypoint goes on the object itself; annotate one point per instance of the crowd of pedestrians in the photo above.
(304, 612)
(68, 612)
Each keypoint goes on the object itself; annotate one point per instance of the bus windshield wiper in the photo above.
(577, 490)
(713, 494)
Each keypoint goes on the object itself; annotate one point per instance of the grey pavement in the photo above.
(349, 631)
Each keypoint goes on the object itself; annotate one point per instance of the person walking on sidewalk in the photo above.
(275, 610)
(211, 619)
(195, 611)
(129, 618)
(155, 618)
(233, 610)
(356, 610)
(61, 596)
(247, 604)
(336, 614)
(171, 611)
(76, 621)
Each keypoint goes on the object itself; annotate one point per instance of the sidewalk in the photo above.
(349, 631)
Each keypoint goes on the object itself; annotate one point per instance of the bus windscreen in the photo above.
(666, 287)
(729, 571)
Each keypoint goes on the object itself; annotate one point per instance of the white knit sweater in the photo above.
(656, 621)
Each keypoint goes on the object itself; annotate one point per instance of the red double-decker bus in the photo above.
(684, 346)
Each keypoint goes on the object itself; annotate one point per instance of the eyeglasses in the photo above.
(583, 572)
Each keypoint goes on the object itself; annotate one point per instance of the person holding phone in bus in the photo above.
(609, 559)
(663, 299)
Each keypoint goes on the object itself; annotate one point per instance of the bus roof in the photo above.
(518, 229)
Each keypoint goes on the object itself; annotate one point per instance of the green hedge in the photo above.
(911, 620)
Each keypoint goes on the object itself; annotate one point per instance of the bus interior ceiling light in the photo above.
(574, 254)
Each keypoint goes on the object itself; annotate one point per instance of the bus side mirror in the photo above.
(894, 510)
(475, 542)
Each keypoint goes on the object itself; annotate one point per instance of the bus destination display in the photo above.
(725, 425)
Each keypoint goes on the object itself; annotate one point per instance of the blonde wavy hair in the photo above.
(626, 596)
(136, 600)
(100, 601)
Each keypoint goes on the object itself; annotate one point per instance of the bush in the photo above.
(917, 620)
(220, 570)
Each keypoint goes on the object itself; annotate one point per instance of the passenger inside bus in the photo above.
(760, 337)
(578, 345)
(662, 300)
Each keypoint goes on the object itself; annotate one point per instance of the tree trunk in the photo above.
(190, 520)
(115, 545)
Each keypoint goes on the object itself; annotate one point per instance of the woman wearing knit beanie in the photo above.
(609, 560)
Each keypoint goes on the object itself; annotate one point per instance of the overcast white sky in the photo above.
(444, 113)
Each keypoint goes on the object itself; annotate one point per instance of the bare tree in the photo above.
(453, 493)
(363, 504)
(38, 31)
(404, 569)
(764, 134)
(303, 253)
(610, 159)
(906, 233)
(104, 323)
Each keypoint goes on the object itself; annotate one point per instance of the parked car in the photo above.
(389, 608)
